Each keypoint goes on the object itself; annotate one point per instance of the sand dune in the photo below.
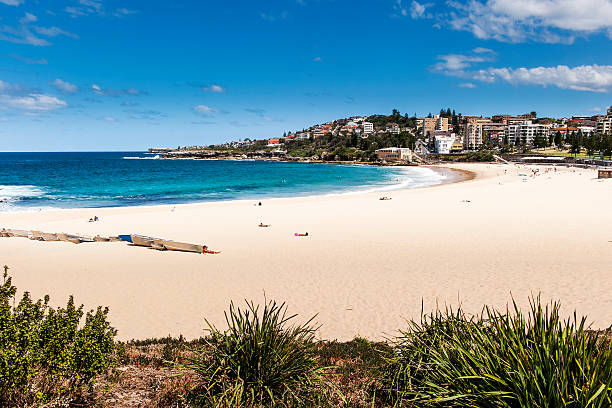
(365, 267)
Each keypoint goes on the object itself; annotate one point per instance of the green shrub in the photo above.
(260, 360)
(43, 352)
(500, 360)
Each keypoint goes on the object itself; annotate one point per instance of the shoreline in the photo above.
(456, 175)
(365, 266)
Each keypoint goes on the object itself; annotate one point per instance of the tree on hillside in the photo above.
(558, 140)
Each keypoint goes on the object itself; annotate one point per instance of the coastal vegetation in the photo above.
(264, 358)
(48, 354)
(260, 360)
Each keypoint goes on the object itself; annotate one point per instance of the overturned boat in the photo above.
(142, 240)
(75, 239)
(179, 246)
(44, 236)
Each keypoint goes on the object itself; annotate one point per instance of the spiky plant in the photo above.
(496, 359)
(260, 360)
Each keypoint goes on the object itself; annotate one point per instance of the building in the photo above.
(473, 131)
(393, 128)
(441, 124)
(368, 128)
(394, 154)
(302, 136)
(604, 125)
(564, 131)
(526, 131)
(429, 125)
(443, 144)
(493, 133)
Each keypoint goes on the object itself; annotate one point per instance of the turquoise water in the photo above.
(31, 181)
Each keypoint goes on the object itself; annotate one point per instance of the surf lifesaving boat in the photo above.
(179, 246)
(142, 240)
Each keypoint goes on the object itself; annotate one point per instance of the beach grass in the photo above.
(499, 359)
(262, 359)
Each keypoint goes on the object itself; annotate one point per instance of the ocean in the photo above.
(33, 181)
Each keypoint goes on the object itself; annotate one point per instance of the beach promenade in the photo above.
(365, 267)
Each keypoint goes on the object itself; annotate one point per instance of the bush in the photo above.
(43, 352)
(258, 361)
(500, 360)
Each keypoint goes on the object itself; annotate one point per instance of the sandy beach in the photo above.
(365, 267)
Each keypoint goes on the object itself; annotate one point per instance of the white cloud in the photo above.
(456, 62)
(204, 110)
(467, 85)
(116, 92)
(96, 7)
(53, 32)
(593, 78)
(33, 102)
(28, 18)
(481, 50)
(12, 2)
(120, 12)
(14, 89)
(272, 17)
(64, 86)
(22, 34)
(27, 60)
(416, 10)
(214, 88)
(550, 21)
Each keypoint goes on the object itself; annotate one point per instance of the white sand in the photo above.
(365, 267)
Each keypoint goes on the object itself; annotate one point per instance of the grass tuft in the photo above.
(496, 359)
(260, 360)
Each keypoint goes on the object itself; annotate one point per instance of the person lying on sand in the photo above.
(384, 198)
(205, 250)
(301, 235)
(261, 224)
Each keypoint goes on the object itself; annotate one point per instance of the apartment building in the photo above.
(493, 133)
(368, 128)
(393, 128)
(444, 144)
(526, 131)
(430, 125)
(604, 125)
(473, 131)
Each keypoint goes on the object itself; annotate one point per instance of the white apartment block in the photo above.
(526, 131)
(605, 124)
(368, 127)
(443, 144)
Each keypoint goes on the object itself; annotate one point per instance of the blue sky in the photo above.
(127, 75)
